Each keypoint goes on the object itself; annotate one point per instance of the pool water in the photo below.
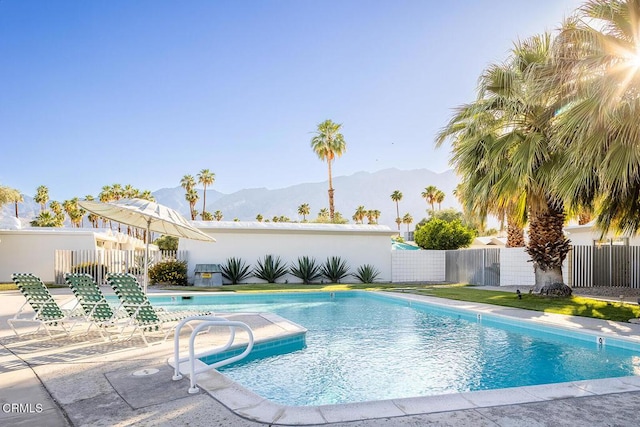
(362, 346)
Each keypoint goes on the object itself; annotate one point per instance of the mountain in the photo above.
(370, 189)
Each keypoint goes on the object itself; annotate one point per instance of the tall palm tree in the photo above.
(520, 118)
(407, 219)
(93, 218)
(597, 65)
(205, 177)
(42, 197)
(396, 196)
(304, 210)
(429, 194)
(47, 219)
(106, 196)
(328, 144)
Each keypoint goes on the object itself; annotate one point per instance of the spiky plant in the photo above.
(270, 269)
(366, 273)
(235, 270)
(335, 269)
(306, 269)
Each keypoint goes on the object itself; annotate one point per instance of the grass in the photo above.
(574, 306)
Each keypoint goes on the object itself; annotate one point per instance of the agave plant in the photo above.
(334, 269)
(306, 269)
(366, 273)
(235, 270)
(270, 269)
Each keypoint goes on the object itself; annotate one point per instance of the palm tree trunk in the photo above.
(398, 216)
(548, 247)
(204, 200)
(515, 236)
(16, 205)
(331, 209)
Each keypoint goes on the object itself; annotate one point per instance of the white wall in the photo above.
(418, 266)
(517, 270)
(33, 251)
(357, 244)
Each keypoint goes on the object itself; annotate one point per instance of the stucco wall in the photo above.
(32, 251)
(357, 244)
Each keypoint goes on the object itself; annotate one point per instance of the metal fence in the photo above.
(101, 262)
(604, 265)
(473, 266)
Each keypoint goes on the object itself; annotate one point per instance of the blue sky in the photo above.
(143, 92)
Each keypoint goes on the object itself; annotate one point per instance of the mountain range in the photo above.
(369, 189)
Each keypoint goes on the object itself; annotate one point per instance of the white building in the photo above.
(356, 244)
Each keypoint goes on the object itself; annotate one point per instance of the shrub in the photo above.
(307, 269)
(166, 243)
(95, 270)
(366, 273)
(235, 270)
(170, 271)
(334, 269)
(443, 235)
(270, 269)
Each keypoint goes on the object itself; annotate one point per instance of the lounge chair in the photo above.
(93, 304)
(47, 312)
(143, 316)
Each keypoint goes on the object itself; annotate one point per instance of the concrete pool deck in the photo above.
(82, 380)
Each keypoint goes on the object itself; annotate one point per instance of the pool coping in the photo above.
(251, 406)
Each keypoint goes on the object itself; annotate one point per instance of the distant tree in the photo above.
(206, 216)
(429, 194)
(407, 219)
(442, 235)
(323, 214)
(328, 144)
(167, 243)
(396, 196)
(93, 218)
(439, 198)
(188, 182)
(259, 217)
(217, 215)
(42, 197)
(360, 215)
(47, 219)
(304, 210)
(10, 195)
(206, 178)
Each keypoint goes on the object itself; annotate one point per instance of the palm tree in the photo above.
(93, 218)
(304, 210)
(8, 195)
(328, 144)
(106, 196)
(596, 64)
(519, 116)
(439, 198)
(407, 219)
(42, 197)
(47, 219)
(259, 217)
(429, 194)
(217, 215)
(191, 195)
(323, 215)
(205, 177)
(360, 214)
(396, 196)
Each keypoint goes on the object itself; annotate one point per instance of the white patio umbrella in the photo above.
(147, 215)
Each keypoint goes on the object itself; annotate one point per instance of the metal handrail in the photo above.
(207, 322)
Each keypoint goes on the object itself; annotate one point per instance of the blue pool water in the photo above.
(362, 346)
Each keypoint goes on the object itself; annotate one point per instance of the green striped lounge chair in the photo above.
(144, 318)
(46, 311)
(93, 304)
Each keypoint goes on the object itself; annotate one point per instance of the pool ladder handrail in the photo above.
(206, 322)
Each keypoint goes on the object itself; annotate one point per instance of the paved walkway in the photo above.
(83, 381)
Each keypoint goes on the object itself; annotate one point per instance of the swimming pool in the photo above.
(363, 346)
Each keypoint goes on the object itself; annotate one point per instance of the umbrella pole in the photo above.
(145, 279)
